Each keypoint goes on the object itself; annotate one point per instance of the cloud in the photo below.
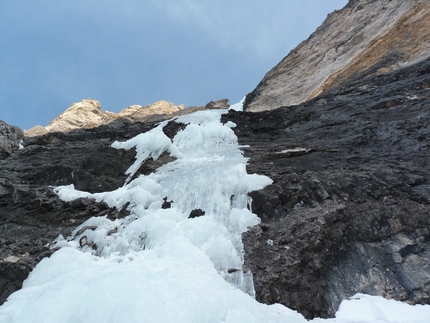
(261, 30)
(141, 51)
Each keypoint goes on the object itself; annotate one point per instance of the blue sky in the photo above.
(54, 53)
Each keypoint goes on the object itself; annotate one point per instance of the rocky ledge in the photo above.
(349, 208)
(10, 139)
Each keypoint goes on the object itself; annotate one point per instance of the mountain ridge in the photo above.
(88, 113)
(391, 34)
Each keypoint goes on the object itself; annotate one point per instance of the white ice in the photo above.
(158, 265)
(238, 106)
(375, 309)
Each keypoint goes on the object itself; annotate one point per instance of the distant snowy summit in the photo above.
(365, 38)
(88, 114)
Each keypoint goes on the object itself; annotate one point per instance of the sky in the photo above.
(55, 53)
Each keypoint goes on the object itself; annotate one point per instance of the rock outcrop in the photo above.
(219, 104)
(10, 138)
(88, 114)
(366, 35)
(139, 113)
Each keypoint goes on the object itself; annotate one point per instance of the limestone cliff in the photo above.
(88, 114)
(366, 36)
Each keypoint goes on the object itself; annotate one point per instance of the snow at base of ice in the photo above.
(363, 308)
(158, 265)
(376, 308)
(238, 106)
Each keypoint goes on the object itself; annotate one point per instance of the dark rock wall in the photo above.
(350, 41)
(349, 209)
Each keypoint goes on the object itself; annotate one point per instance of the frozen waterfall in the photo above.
(158, 264)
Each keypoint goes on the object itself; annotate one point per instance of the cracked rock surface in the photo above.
(349, 208)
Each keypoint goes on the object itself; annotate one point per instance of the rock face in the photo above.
(88, 114)
(347, 145)
(219, 104)
(381, 36)
(10, 137)
(349, 208)
(137, 112)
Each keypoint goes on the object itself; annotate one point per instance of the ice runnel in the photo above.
(209, 174)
